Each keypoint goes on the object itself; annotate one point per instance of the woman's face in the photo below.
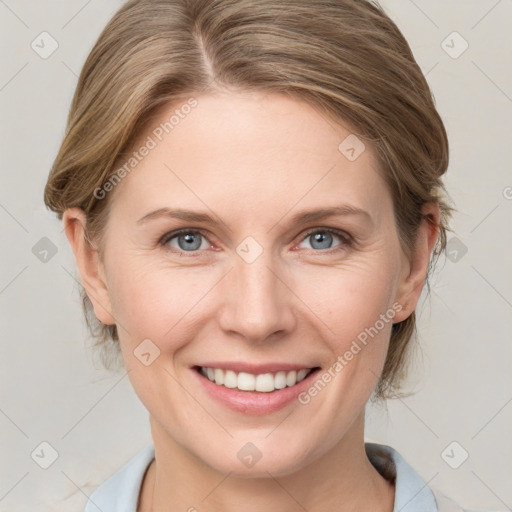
(252, 284)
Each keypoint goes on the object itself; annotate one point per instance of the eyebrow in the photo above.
(299, 218)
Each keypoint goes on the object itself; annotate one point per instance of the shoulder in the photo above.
(121, 491)
(412, 493)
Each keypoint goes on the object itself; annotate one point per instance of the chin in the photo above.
(257, 459)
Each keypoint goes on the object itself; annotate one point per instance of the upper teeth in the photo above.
(264, 382)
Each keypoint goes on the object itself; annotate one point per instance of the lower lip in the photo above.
(254, 402)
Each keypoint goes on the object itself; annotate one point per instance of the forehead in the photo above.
(246, 152)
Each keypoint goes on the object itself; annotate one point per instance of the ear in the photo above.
(89, 264)
(415, 267)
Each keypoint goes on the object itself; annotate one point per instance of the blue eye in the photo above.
(322, 239)
(187, 240)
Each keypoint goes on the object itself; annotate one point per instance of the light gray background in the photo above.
(54, 390)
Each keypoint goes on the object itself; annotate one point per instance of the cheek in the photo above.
(350, 299)
(152, 302)
(356, 308)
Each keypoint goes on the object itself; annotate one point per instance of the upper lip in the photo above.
(256, 369)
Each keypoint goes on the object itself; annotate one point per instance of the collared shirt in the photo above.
(120, 493)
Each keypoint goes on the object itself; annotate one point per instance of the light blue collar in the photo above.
(411, 493)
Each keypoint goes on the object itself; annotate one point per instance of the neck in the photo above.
(342, 479)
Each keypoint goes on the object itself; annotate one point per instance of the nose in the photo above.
(257, 303)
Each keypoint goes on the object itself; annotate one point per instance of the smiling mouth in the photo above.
(263, 382)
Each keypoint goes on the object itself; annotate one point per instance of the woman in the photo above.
(252, 191)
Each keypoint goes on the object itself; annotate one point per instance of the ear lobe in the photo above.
(89, 264)
(416, 267)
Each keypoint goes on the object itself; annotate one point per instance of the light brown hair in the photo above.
(346, 58)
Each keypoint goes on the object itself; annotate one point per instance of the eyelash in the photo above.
(347, 240)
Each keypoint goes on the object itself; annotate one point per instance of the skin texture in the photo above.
(252, 161)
